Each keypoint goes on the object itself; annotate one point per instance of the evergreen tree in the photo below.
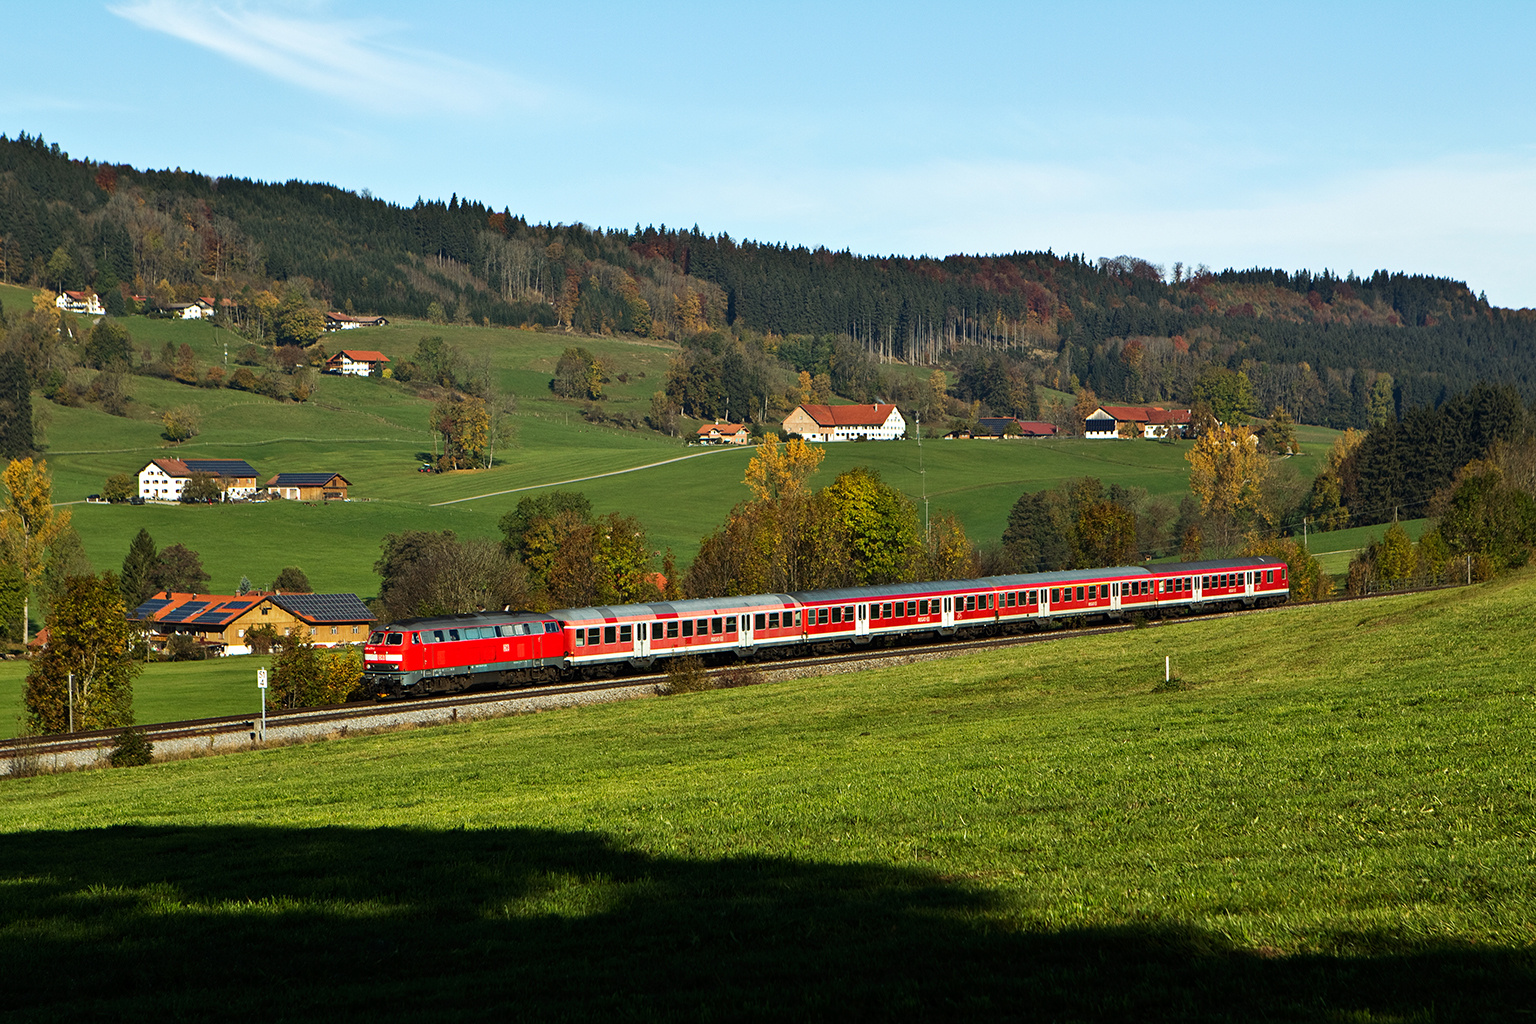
(15, 407)
(138, 570)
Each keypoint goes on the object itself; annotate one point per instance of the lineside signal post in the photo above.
(261, 684)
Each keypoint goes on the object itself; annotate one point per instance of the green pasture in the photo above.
(375, 432)
(1326, 817)
(1336, 549)
(163, 692)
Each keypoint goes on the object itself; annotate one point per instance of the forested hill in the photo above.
(1318, 344)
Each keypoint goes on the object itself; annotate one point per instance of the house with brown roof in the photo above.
(165, 479)
(353, 362)
(724, 433)
(995, 427)
(1114, 422)
(347, 322)
(310, 486)
(88, 303)
(221, 622)
(846, 423)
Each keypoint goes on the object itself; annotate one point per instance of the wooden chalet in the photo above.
(724, 433)
(310, 486)
(220, 622)
(351, 362)
(347, 322)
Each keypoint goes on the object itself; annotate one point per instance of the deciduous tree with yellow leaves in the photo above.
(1226, 470)
(29, 524)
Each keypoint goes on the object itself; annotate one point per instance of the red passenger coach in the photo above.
(451, 652)
(598, 639)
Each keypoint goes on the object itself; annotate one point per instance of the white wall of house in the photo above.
(155, 484)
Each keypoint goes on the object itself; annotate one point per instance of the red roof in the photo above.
(1146, 414)
(723, 428)
(80, 296)
(172, 467)
(849, 415)
(1036, 427)
(360, 356)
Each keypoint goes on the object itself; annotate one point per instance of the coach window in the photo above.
(847, 613)
(1012, 597)
(730, 623)
(1079, 593)
(610, 634)
(1055, 595)
(759, 621)
(581, 638)
(656, 628)
(687, 627)
(1269, 575)
(716, 626)
(672, 630)
(773, 620)
(837, 615)
(626, 635)
(592, 636)
(1282, 574)
(922, 607)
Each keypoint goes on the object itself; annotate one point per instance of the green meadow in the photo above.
(374, 432)
(1327, 816)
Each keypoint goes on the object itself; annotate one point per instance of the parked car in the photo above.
(135, 500)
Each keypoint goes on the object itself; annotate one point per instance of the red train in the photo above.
(452, 652)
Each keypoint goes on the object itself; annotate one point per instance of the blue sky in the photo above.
(1349, 136)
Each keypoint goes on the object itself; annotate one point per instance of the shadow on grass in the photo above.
(386, 924)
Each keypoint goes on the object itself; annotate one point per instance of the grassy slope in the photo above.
(372, 432)
(1332, 822)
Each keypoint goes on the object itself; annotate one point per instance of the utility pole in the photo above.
(71, 702)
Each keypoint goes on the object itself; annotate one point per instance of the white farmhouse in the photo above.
(847, 423)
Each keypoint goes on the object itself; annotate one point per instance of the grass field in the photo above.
(374, 433)
(1328, 818)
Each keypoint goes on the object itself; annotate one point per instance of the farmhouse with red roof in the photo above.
(355, 362)
(1113, 422)
(846, 423)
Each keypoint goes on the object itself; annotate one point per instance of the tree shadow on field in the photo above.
(397, 923)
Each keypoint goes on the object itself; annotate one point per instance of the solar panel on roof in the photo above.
(148, 608)
(217, 617)
(235, 606)
(186, 611)
(325, 607)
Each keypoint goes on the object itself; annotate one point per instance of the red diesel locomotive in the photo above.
(512, 648)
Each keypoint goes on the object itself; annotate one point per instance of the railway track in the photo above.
(202, 737)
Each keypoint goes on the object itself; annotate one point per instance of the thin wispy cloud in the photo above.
(350, 60)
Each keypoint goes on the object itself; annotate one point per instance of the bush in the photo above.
(182, 647)
(744, 674)
(132, 748)
(687, 675)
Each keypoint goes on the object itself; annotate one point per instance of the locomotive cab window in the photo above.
(375, 638)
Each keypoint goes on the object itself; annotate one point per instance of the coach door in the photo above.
(861, 620)
(642, 639)
(948, 620)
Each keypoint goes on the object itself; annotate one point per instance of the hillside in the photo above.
(1317, 343)
(1327, 819)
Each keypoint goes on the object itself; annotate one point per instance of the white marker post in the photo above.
(1167, 668)
(261, 684)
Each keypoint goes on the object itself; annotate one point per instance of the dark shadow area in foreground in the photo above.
(391, 924)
